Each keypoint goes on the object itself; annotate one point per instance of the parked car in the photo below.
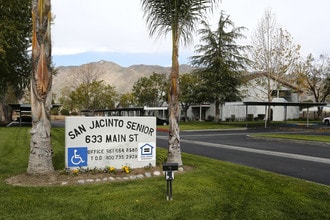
(162, 121)
(326, 121)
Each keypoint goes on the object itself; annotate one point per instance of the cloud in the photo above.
(117, 26)
(102, 25)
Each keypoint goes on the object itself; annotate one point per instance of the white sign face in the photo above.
(110, 141)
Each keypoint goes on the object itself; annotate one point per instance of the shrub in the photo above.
(65, 112)
(249, 117)
(54, 111)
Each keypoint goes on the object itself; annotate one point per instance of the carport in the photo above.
(285, 104)
(25, 108)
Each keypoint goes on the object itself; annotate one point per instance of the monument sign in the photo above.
(110, 141)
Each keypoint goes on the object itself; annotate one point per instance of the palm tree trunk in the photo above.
(40, 161)
(174, 148)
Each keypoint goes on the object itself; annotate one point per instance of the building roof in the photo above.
(284, 80)
(300, 104)
(27, 107)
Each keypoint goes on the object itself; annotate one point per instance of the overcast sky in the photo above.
(114, 30)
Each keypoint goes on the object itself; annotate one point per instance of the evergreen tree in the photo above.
(15, 39)
(220, 62)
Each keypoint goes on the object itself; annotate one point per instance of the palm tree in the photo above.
(179, 17)
(40, 161)
(220, 61)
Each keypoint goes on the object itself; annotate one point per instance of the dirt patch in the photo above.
(58, 178)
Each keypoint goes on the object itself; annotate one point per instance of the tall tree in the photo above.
(15, 70)
(40, 161)
(178, 17)
(220, 61)
(314, 78)
(152, 90)
(273, 51)
(93, 96)
(127, 99)
(189, 88)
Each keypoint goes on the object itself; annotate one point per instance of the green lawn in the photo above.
(212, 190)
(303, 137)
(196, 125)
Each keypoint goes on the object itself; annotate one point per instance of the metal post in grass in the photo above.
(169, 169)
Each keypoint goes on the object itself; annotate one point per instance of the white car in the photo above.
(326, 121)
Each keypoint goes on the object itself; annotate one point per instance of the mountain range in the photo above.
(122, 78)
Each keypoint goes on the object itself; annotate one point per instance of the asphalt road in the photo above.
(304, 160)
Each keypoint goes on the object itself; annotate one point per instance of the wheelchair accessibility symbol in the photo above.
(77, 156)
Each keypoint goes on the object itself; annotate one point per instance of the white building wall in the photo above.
(292, 112)
(253, 92)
